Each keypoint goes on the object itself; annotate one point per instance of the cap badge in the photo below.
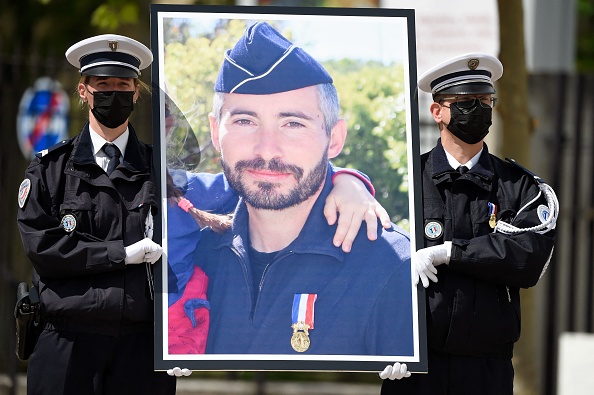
(473, 63)
(113, 45)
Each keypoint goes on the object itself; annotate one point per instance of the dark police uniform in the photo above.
(500, 221)
(85, 286)
(87, 230)
(473, 311)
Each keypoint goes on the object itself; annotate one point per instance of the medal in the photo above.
(303, 320)
(492, 215)
(300, 339)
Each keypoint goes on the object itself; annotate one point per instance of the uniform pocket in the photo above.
(479, 215)
(83, 213)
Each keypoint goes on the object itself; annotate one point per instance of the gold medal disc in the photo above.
(300, 339)
(492, 221)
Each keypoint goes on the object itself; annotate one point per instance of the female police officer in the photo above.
(86, 206)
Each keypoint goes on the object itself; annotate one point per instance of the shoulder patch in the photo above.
(24, 190)
(543, 213)
(46, 151)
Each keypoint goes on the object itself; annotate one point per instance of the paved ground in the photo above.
(192, 386)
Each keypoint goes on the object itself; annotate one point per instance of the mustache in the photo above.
(274, 165)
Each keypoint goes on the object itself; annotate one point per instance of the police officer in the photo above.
(85, 219)
(489, 231)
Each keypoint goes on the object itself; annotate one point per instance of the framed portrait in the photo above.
(360, 325)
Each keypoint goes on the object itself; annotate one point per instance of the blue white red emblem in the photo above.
(543, 213)
(433, 230)
(24, 190)
(68, 222)
(303, 309)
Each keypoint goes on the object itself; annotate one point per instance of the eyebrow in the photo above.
(240, 111)
(284, 114)
(296, 114)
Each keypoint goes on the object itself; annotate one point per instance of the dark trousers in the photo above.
(80, 363)
(457, 375)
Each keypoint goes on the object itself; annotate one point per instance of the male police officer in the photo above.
(85, 219)
(275, 273)
(489, 230)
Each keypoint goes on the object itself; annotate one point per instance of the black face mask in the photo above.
(470, 124)
(112, 108)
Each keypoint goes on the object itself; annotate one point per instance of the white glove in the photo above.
(144, 250)
(178, 372)
(426, 259)
(395, 372)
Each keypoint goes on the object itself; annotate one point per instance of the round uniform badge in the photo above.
(68, 223)
(24, 190)
(433, 230)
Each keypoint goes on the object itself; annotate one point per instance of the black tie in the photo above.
(114, 154)
(462, 169)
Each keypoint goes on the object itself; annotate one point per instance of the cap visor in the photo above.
(111, 71)
(476, 88)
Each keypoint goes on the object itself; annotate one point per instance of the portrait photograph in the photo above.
(259, 114)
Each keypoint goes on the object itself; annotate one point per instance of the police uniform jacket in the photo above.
(364, 297)
(474, 308)
(84, 283)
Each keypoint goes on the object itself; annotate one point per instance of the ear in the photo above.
(214, 131)
(82, 90)
(435, 109)
(337, 139)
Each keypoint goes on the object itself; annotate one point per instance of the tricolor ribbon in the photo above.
(492, 215)
(303, 309)
(492, 209)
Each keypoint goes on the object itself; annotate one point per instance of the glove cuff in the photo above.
(448, 246)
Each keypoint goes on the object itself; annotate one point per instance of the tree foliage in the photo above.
(372, 102)
(585, 36)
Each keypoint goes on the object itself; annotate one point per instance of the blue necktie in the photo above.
(114, 154)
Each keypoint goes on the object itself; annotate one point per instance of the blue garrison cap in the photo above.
(263, 62)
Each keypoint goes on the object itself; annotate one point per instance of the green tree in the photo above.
(373, 104)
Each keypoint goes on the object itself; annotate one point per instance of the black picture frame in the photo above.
(402, 42)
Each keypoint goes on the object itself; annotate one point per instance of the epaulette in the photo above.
(525, 170)
(54, 147)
